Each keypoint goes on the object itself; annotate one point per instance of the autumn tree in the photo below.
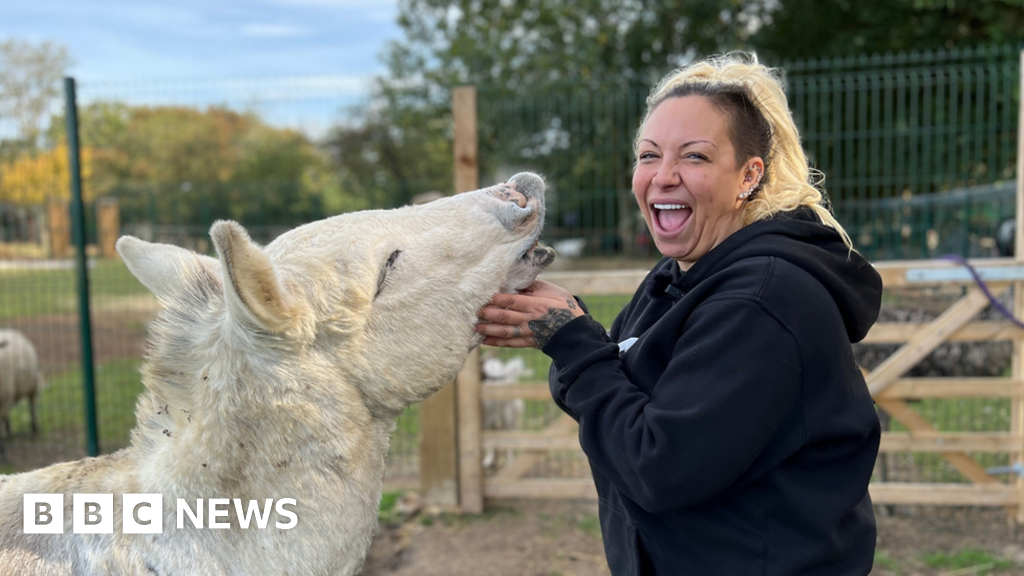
(30, 85)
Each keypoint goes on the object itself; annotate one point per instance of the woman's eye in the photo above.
(696, 156)
(647, 155)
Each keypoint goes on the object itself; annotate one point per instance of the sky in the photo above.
(296, 62)
(122, 40)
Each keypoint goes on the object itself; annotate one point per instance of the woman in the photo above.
(727, 426)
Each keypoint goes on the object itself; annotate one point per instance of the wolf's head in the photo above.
(385, 300)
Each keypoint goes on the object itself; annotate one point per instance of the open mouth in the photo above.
(538, 255)
(670, 219)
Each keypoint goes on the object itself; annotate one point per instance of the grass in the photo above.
(25, 293)
(60, 405)
(590, 524)
(387, 513)
(964, 559)
(883, 560)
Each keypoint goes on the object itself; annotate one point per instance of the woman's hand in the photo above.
(528, 319)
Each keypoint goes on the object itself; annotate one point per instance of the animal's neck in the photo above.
(242, 425)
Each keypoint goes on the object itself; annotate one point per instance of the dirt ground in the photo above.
(563, 539)
(56, 336)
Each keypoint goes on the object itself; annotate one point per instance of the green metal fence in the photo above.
(918, 150)
(939, 127)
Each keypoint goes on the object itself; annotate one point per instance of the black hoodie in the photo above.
(735, 436)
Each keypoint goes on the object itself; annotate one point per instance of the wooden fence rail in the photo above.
(892, 390)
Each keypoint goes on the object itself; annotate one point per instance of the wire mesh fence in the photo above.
(918, 150)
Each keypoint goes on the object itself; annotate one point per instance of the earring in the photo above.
(757, 182)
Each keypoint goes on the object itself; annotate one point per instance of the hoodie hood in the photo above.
(801, 239)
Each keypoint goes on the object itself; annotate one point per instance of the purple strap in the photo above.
(984, 288)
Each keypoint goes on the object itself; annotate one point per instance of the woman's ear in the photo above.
(753, 173)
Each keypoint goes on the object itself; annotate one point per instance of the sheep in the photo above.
(20, 377)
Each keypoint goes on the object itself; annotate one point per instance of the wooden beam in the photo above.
(523, 391)
(518, 440)
(923, 343)
(942, 494)
(467, 171)
(525, 460)
(438, 454)
(1017, 367)
(894, 273)
(554, 488)
(470, 422)
(966, 465)
(951, 388)
(899, 332)
(937, 441)
(439, 466)
(601, 282)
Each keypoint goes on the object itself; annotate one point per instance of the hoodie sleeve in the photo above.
(734, 376)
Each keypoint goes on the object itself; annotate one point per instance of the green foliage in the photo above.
(175, 165)
(968, 558)
(387, 513)
(561, 89)
(883, 560)
(823, 28)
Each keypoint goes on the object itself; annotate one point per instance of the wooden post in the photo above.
(59, 223)
(471, 477)
(441, 466)
(108, 225)
(1017, 366)
(467, 386)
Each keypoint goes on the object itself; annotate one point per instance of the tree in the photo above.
(822, 28)
(33, 177)
(175, 164)
(30, 76)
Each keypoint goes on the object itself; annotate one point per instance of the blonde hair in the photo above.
(732, 83)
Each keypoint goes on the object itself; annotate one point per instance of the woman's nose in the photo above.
(666, 176)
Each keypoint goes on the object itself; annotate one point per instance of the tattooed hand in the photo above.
(529, 318)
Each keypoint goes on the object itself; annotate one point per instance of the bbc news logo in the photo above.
(143, 513)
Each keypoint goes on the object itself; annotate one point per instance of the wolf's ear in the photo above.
(251, 285)
(162, 268)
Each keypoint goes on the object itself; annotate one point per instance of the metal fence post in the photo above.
(92, 444)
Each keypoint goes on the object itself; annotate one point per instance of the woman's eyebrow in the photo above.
(692, 142)
(685, 145)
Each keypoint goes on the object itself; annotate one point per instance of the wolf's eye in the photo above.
(383, 277)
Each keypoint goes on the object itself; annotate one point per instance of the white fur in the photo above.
(277, 372)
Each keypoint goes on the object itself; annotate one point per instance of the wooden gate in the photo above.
(893, 392)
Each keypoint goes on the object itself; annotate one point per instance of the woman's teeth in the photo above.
(670, 206)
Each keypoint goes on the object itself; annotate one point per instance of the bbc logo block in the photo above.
(44, 514)
(142, 514)
(93, 514)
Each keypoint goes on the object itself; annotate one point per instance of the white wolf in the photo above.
(277, 372)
